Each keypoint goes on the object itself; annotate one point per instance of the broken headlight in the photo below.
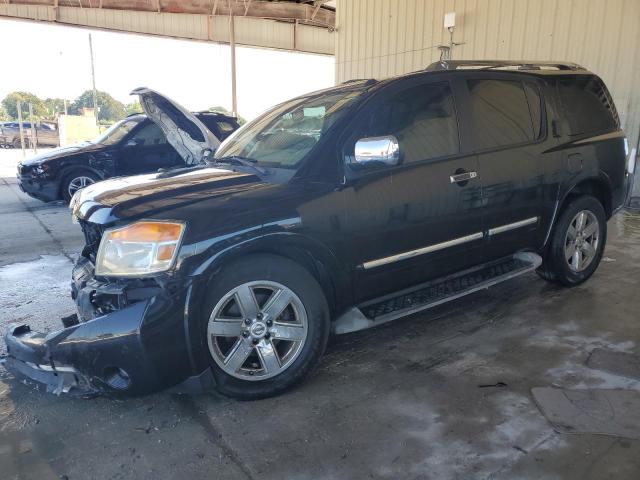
(141, 248)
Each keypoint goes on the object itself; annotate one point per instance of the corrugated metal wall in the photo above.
(382, 38)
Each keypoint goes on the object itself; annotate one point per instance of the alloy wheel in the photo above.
(78, 183)
(582, 240)
(257, 330)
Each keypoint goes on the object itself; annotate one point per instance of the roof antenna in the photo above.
(446, 51)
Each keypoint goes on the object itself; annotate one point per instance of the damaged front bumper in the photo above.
(128, 340)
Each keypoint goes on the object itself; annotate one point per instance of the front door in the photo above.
(420, 219)
(146, 150)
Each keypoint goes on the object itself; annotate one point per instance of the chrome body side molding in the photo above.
(421, 251)
(513, 226)
(449, 243)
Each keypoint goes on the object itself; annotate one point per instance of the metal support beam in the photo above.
(232, 45)
(317, 8)
(33, 140)
(19, 108)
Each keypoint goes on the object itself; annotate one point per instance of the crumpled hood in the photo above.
(61, 152)
(146, 195)
(193, 141)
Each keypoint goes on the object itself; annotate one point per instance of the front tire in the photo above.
(577, 242)
(265, 326)
(17, 144)
(76, 180)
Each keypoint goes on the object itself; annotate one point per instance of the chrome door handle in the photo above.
(463, 177)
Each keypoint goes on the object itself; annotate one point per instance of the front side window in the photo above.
(284, 135)
(150, 134)
(423, 120)
(117, 131)
(500, 113)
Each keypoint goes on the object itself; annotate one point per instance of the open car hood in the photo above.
(188, 135)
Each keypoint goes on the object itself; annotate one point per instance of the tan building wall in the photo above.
(77, 128)
(383, 38)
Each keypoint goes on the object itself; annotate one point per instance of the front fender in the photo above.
(311, 253)
(208, 258)
(68, 167)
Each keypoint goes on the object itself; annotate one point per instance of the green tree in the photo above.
(3, 113)
(10, 104)
(133, 107)
(220, 109)
(54, 106)
(109, 109)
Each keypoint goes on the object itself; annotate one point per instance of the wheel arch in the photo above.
(598, 187)
(312, 255)
(67, 169)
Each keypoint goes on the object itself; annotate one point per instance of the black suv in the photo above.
(129, 147)
(333, 212)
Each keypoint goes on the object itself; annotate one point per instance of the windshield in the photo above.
(284, 135)
(117, 131)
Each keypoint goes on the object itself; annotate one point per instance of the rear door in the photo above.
(414, 221)
(506, 115)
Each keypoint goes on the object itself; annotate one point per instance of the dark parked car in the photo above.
(42, 134)
(333, 212)
(132, 146)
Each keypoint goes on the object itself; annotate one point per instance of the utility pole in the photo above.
(93, 79)
(232, 45)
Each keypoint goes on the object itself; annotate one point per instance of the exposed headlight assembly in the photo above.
(40, 170)
(139, 249)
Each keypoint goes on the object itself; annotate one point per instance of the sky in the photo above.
(54, 61)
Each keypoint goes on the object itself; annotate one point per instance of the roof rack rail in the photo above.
(496, 64)
(215, 112)
(366, 81)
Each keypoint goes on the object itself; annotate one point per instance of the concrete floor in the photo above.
(419, 398)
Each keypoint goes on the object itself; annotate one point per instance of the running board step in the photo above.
(435, 292)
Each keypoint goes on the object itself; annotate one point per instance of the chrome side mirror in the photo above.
(377, 151)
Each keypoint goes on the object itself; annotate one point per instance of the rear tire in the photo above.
(577, 242)
(265, 325)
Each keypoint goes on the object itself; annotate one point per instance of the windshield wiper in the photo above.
(237, 160)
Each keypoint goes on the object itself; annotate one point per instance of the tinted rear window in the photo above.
(220, 128)
(587, 106)
(500, 113)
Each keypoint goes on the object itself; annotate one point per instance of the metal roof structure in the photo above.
(303, 26)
